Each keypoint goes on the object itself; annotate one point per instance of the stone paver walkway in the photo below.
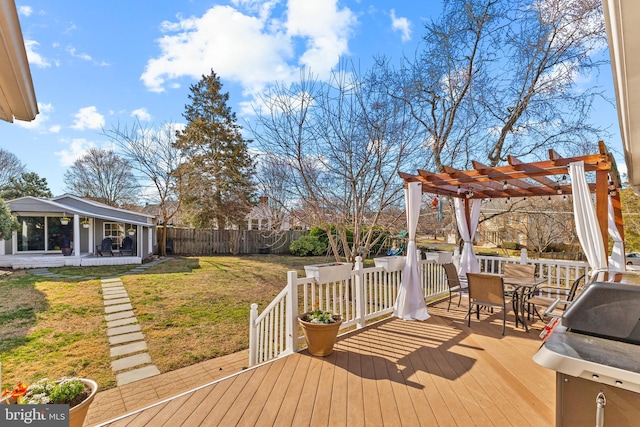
(119, 400)
(128, 349)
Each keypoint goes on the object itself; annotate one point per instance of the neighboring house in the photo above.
(17, 97)
(178, 219)
(266, 217)
(44, 231)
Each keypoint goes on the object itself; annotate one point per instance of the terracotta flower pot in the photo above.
(78, 413)
(320, 337)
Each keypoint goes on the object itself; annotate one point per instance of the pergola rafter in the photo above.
(535, 179)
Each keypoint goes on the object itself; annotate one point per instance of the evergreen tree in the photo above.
(27, 184)
(218, 169)
(8, 223)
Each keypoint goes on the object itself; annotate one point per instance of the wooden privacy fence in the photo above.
(191, 241)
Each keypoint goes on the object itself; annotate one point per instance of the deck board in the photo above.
(393, 373)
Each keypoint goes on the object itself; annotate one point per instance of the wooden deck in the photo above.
(394, 373)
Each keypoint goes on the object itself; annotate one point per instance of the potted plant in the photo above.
(78, 393)
(85, 223)
(131, 231)
(320, 330)
(65, 220)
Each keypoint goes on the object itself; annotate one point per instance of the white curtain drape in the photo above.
(410, 304)
(616, 260)
(468, 260)
(586, 220)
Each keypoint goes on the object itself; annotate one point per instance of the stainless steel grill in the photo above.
(595, 352)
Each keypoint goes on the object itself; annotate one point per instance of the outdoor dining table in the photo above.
(521, 284)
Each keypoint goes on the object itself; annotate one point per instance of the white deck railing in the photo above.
(369, 293)
(559, 273)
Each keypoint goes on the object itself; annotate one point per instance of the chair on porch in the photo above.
(105, 247)
(544, 297)
(127, 247)
(519, 270)
(486, 290)
(454, 282)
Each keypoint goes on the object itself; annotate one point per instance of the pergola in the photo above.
(535, 179)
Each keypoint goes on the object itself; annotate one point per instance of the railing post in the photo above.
(253, 335)
(292, 343)
(359, 285)
(523, 256)
(456, 257)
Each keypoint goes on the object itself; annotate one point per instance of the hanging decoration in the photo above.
(436, 204)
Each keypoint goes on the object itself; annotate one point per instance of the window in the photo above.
(43, 233)
(114, 231)
(31, 233)
(59, 236)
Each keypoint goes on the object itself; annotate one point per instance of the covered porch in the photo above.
(70, 230)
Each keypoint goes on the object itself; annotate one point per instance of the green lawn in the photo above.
(190, 309)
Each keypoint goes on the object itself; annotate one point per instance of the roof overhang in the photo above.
(622, 18)
(17, 96)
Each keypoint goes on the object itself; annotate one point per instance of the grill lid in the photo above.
(609, 308)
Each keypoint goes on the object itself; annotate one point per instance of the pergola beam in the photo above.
(534, 179)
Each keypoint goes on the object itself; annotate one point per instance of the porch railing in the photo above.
(559, 273)
(368, 294)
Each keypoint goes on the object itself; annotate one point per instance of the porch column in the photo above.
(149, 241)
(139, 237)
(76, 235)
(91, 230)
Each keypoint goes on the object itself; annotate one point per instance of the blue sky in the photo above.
(97, 64)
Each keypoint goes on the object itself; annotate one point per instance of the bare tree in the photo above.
(153, 156)
(10, 167)
(499, 77)
(334, 150)
(103, 176)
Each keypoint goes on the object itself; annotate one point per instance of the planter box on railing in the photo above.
(330, 272)
(440, 257)
(390, 263)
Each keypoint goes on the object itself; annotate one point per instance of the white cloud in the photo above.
(34, 57)
(326, 30)
(141, 114)
(77, 148)
(88, 118)
(253, 46)
(55, 129)
(84, 56)
(25, 10)
(402, 25)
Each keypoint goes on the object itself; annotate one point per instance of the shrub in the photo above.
(307, 246)
(511, 245)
